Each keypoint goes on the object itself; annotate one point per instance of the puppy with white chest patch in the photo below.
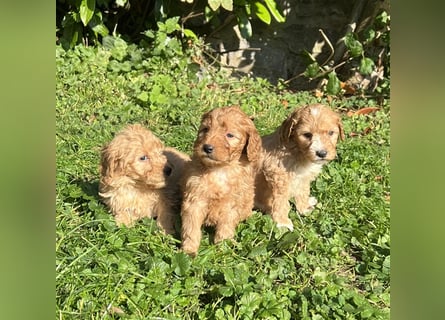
(292, 157)
(219, 181)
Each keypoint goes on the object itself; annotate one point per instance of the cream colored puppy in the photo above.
(140, 178)
(292, 157)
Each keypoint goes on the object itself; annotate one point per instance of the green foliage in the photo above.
(334, 265)
(245, 10)
(368, 52)
(88, 21)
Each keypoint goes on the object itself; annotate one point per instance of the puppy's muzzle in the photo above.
(208, 148)
(167, 171)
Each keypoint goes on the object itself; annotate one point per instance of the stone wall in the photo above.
(276, 51)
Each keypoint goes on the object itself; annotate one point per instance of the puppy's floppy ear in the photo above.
(111, 161)
(289, 125)
(341, 130)
(253, 144)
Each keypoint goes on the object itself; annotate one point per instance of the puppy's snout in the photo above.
(167, 171)
(208, 148)
(321, 153)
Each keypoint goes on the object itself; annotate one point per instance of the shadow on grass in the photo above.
(90, 188)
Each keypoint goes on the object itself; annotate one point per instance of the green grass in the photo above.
(334, 265)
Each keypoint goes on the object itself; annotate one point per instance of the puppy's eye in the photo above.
(307, 135)
(143, 158)
(204, 130)
(331, 132)
(229, 135)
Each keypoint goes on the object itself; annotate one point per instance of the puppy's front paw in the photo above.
(286, 223)
(192, 252)
(312, 202)
(306, 209)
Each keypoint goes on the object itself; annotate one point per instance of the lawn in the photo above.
(334, 265)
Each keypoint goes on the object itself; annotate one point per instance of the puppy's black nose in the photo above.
(321, 153)
(167, 171)
(208, 148)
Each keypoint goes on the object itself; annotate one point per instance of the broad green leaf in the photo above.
(86, 10)
(181, 263)
(190, 34)
(289, 239)
(100, 29)
(333, 86)
(258, 251)
(244, 24)
(272, 6)
(354, 46)
(261, 12)
(214, 4)
(367, 313)
(119, 50)
(227, 4)
(366, 66)
(150, 34)
(97, 26)
(225, 291)
(143, 96)
(312, 70)
(171, 25)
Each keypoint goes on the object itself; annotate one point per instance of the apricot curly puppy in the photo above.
(292, 157)
(140, 178)
(219, 181)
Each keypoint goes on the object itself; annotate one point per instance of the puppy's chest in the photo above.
(221, 181)
(306, 172)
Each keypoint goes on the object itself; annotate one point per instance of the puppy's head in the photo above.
(137, 154)
(312, 132)
(227, 135)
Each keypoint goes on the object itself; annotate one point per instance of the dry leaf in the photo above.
(318, 93)
(367, 130)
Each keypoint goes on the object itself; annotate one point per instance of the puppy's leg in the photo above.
(124, 217)
(263, 194)
(280, 203)
(192, 221)
(166, 218)
(224, 231)
(304, 203)
(280, 212)
(225, 228)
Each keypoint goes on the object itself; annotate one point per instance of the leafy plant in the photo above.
(367, 53)
(244, 10)
(88, 21)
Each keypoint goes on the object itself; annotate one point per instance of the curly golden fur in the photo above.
(140, 178)
(292, 157)
(219, 181)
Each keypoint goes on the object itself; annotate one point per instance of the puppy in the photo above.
(139, 178)
(219, 181)
(292, 157)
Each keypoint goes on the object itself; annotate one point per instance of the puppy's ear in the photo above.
(253, 144)
(341, 130)
(288, 125)
(111, 162)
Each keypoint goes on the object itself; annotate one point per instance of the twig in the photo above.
(330, 47)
